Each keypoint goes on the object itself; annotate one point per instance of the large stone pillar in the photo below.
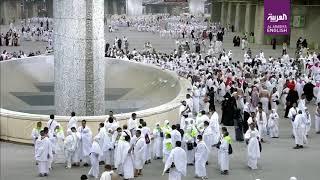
(247, 22)
(223, 13)
(115, 7)
(215, 11)
(259, 24)
(134, 7)
(18, 12)
(165, 9)
(237, 18)
(229, 14)
(35, 10)
(196, 7)
(79, 57)
(3, 12)
(106, 7)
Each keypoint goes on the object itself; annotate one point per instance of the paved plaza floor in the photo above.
(278, 162)
(137, 40)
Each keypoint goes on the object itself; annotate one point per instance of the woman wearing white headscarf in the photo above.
(70, 145)
(157, 141)
(95, 152)
(273, 124)
(59, 145)
(252, 138)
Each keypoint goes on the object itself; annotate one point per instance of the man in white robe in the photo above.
(102, 133)
(111, 123)
(133, 124)
(317, 119)
(116, 141)
(262, 121)
(175, 135)
(73, 121)
(85, 142)
(253, 149)
(166, 147)
(273, 124)
(43, 152)
(58, 135)
(183, 111)
(189, 102)
(292, 114)
(202, 118)
(299, 130)
(35, 134)
(157, 137)
(109, 174)
(207, 135)
(223, 153)
(215, 126)
(201, 157)
(126, 159)
(70, 145)
(189, 138)
(139, 153)
(146, 134)
(302, 103)
(108, 148)
(307, 121)
(95, 152)
(176, 163)
(52, 124)
(196, 99)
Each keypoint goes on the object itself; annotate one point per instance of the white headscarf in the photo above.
(95, 148)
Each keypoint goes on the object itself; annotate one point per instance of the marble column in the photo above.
(115, 7)
(237, 18)
(196, 7)
(35, 9)
(18, 12)
(106, 7)
(165, 9)
(223, 13)
(247, 23)
(216, 11)
(3, 12)
(259, 24)
(79, 57)
(229, 13)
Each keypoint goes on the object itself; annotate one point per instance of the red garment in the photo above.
(291, 85)
(229, 82)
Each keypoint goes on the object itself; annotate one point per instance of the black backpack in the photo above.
(230, 149)
(147, 139)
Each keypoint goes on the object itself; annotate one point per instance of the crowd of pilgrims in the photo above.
(251, 91)
(250, 95)
(32, 29)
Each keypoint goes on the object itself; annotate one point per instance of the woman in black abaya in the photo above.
(228, 109)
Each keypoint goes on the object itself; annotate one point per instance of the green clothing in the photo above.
(168, 146)
(228, 139)
(166, 130)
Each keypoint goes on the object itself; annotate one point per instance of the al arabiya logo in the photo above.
(276, 18)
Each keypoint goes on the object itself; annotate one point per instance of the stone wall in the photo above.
(17, 127)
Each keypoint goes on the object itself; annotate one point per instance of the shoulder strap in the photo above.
(50, 123)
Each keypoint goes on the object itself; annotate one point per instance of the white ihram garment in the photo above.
(201, 157)
(178, 157)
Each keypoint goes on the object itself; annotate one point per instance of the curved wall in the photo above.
(17, 126)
